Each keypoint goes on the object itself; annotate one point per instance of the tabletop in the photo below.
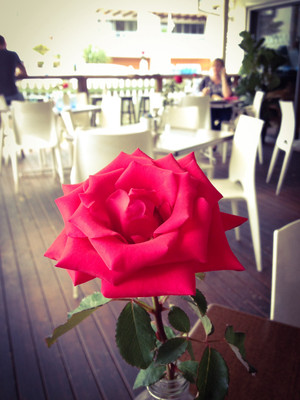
(182, 141)
(271, 347)
(223, 103)
(84, 108)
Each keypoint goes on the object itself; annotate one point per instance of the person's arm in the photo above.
(226, 90)
(204, 89)
(22, 70)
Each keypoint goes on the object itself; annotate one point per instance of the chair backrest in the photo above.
(4, 114)
(244, 149)
(83, 119)
(95, 148)
(285, 294)
(3, 104)
(110, 111)
(257, 102)
(203, 104)
(182, 117)
(34, 124)
(286, 133)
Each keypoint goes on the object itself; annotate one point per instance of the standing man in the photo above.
(9, 62)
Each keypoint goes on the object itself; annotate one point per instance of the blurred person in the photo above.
(10, 65)
(217, 86)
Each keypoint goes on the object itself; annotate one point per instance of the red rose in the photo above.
(178, 79)
(144, 227)
(65, 85)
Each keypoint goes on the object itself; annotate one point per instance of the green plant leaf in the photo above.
(199, 304)
(171, 350)
(200, 275)
(212, 378)
(179, 319)
(169, 332)
(149, 375)
(189, 370)
(92, 301)
(236, 342)
(86, 307)
(190, 350)
(135, 337)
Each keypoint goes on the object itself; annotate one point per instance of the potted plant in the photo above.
(259, 67)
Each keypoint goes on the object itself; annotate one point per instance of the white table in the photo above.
(179, 141)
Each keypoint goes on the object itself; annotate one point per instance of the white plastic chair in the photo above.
(257, 102)
(33, 128)
(203, 104)
(82, 119)
(4, 125)
(183, 117)
(285, 293)
(283, 142)
(110, 116)
(240, 184)
(94, 149)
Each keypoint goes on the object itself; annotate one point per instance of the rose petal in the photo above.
(129, 258)
(171, 279)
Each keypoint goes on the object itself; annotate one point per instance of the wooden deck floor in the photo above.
(35, 297)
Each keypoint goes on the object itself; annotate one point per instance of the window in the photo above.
(280, 26)
(197, 29)
(123, 25)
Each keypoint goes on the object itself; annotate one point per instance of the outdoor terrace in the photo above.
(35, 296)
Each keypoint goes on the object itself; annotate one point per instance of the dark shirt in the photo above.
(214, 88)
(9, 60)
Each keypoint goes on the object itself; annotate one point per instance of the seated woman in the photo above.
(217, 86)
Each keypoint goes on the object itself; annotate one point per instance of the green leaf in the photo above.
(212, 378)
(149, 375)
(190, 350)
(171, 350)
(199, 304)
(86, 307)
(179, 319)
(135, 336)
(236, 342)
(200, 275)
(169, 332)
(189, 370)
(92, 301)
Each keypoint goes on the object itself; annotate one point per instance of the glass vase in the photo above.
(176, 389)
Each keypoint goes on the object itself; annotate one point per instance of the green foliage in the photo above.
(189, 370)
(170, 87)
(95, 55)
(171, 350)
(156, 349)
(87, 306)
(135, 336)
(149, 375)
(41, 49)
(179, 320)
(199, 305)
(259, 67)
(212, 379)
(236, 342)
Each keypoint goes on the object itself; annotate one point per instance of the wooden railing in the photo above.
(102, 83)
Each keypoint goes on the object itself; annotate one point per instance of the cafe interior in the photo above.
(134, 84)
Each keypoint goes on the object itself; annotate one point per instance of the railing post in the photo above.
(82, 86)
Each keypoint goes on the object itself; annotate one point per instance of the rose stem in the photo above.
(161, 333)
